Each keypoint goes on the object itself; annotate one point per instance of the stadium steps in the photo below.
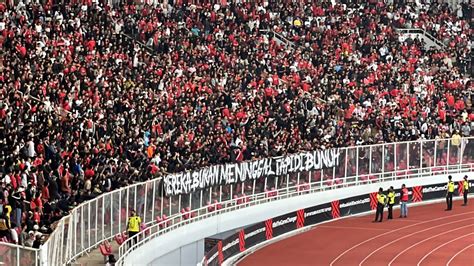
(95, 258)
(429, 40)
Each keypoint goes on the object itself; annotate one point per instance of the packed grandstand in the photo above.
(96, 96)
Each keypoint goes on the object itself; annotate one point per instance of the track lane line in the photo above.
(459, 252)
(409, 235)
(440, 246)
(392, 231)
(426, 239)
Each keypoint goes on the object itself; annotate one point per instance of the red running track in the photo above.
(429, 236)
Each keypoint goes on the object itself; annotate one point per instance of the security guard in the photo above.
(465, 189)
(449, 195)
(133, 226)
(391, 202)
(381, 201)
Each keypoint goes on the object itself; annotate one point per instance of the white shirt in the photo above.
(14, 235)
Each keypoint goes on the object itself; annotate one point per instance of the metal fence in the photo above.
(102, 218)
(11, 254)
(362, 165)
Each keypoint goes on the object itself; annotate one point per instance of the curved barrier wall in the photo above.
(100, 219)
(426, 160)
(237, 244)
(152, 249)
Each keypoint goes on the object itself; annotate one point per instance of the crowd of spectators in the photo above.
(95, 97)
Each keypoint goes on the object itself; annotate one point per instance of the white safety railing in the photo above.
(102, 218)
(11, 254)
(178, 220)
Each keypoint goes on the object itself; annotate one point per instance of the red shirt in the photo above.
(404, 195)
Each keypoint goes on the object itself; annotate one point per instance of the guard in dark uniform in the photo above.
(465, 189)
(449, 194)
(381, 201)
(391, 202)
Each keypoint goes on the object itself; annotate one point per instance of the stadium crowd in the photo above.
(95, 97)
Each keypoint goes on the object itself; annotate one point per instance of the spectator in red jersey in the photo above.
(95, 110)
(404, 201)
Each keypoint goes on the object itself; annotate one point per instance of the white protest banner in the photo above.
(188, 182)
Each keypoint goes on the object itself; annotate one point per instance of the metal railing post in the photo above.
(111, 206)
(345, 167)
(448, 155)
(370, 159)
(382, 176)
(103, 218)
(322, 178)
(89, 223)
(395, 165)
(408, 158)
(135, 199)
(162, 200)
(96, 223)
(357, 164)
(309, 179)
(421, 156)
(18, 256)
(153, 199)
(144, 203)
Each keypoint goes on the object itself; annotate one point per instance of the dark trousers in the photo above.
(390, 211)
(465, 196)
(379, 212)
(449, 200)
(133, 238)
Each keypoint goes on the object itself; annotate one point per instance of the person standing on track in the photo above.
(381, 201)
(391, 202)
(449, 195)
(403, 202)
(465, 189)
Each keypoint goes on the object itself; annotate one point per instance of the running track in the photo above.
(429, 236)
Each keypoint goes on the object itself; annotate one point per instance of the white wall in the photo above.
(185, 256)
(199, 230)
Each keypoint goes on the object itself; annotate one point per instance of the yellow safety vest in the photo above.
(8, 212)
(391, 198)
(381, 198)
(451, 186)
(134, 224)
(465, 185)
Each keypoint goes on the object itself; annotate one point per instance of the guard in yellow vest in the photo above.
(449, 194)
(391, 202)
(381, 201)
(465, 189)
(133, 226)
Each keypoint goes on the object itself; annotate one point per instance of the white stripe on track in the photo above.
(392, 231)
(409, 235)
(426, 239)
(440, 246)
(459, 252)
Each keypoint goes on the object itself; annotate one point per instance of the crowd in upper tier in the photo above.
(94, 97)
